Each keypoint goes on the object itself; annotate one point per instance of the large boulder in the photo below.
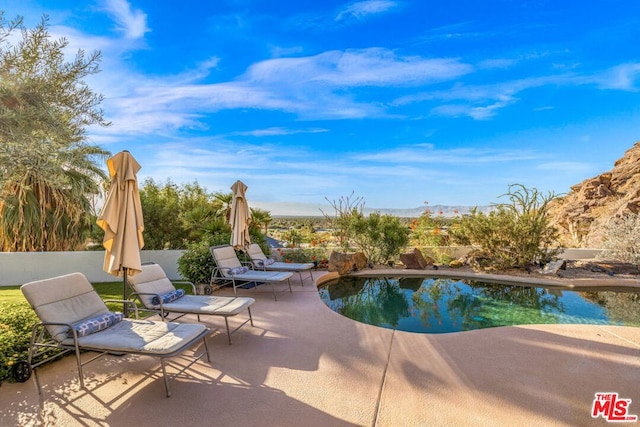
(344, 263)
(582, 214)
(414, 260)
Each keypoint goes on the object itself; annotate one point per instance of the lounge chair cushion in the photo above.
(151, 280)
(144, 336)
(95, 324)
(265, 262)
(238, 270)
(168, 297)
(67, 299)
(208, 304)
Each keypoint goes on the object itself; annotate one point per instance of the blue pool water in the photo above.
(429, 305)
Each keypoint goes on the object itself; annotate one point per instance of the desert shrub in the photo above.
(431, 234)
(514, 234)
(622, 239)
(304, 255)
(381, 238)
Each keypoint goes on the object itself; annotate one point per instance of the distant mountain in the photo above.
(280, 209)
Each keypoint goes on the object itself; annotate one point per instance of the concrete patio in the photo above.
(303, 364)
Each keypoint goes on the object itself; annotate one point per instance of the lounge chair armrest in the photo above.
(127, 302)
(155, 310)
(186, 282)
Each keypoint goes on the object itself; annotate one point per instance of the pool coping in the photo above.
(498, 278)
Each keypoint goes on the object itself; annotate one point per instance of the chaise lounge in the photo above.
(229, 270)
(261, 262)
(74, 318)
(157, 293)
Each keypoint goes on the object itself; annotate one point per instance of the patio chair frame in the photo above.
(220, 276)
(42, 342)
(164, 313)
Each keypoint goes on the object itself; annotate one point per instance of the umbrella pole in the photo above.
(124, 291)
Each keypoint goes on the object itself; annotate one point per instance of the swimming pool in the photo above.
(442, 305)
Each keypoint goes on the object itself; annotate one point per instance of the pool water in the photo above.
(429, 305)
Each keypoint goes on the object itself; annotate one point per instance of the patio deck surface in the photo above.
(303, 364)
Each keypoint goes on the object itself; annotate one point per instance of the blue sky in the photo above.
(399, 102)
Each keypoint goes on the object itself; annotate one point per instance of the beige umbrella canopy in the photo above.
(121, 219)
(239, 217)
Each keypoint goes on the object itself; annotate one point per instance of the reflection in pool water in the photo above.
(451, 305)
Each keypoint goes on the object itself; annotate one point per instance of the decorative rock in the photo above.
(414, 260)
(554, 266)
(344, 263)
(456, 263)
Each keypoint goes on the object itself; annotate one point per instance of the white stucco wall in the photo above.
(17, 268)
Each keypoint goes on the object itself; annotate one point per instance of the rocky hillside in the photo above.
(583, 212)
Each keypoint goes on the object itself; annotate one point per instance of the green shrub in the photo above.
(16, 322)
(195, 263)
(515, 234)
(305, 255)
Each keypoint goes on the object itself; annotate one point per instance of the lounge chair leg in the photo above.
(250, 317)
(79, 362)
(226, 322)
(164, 377)
(206, 348)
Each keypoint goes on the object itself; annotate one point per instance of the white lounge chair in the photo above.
(73, 317)
(261, 262)
(157, 293)
(229, 270)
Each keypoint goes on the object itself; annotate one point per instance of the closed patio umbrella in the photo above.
(239, 217)
(121, 219)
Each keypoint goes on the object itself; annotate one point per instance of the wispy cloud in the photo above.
(279, 131)
(132, 22)
(362, 9)
(622, 77)
(428, 154)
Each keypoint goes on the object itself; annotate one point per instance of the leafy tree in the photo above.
(48, 171)
(514, 234)
(161, 208)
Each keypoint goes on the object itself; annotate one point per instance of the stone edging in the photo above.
(497, 278)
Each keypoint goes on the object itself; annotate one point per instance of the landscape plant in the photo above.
(516, 234)
(379, 237)
(50, 175)
(431, 234)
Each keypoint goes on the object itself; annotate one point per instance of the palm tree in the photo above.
(48, 173)
(262, 218)
(222, 204)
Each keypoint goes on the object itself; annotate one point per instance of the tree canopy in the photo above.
(48, 171)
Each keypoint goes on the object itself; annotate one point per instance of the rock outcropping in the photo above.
(582, 214)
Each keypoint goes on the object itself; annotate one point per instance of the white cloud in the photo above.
(357, 67)
(133, 23)
(622, 77)
(278, 131)
(362, 9)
